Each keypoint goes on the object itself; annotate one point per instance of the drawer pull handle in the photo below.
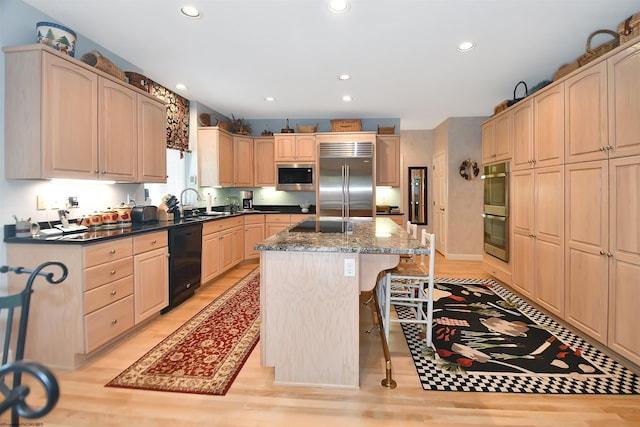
(112, 251)
(113, 292)
(114, 321)
(153, 242)
(113, 272)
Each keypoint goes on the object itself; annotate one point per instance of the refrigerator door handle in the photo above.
(348, 192)
(342, 190)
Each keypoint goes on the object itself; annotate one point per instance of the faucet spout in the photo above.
(198, 197)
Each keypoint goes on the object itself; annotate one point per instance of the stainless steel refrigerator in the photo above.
(345, 184)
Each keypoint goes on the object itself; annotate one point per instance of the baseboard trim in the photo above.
(463, 257)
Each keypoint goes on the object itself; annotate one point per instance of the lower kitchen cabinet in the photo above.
(222, 246)
(151, 274)
(253, 234)
(210, 254)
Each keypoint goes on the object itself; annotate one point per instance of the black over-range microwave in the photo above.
(295, 177)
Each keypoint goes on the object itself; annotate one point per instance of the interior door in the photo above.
(440, 201)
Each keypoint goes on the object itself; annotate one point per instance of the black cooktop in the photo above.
(322, 226)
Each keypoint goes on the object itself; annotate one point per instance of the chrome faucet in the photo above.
(198, 197)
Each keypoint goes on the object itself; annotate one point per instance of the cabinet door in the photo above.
(586, 115)
(624, 102)
(253, 234)
(388, 160)
(263, 162)
(118, 136)
(586, 241)
(306, 148)
(285, 148)
(226, 250)
(548, 127)
(69, 120)
(271, 229)
(503, 137)
(549, 238)
(210, 256)
(225, 160)
(152, 146)
(151, 283)
(243, 161)
(522, 125)
(489, 141)
(522, 223)
(624, 261)
(237, 245)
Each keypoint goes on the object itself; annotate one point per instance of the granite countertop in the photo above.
(100, 234)
(382, 236)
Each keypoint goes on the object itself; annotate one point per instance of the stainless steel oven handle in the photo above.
(496, 217)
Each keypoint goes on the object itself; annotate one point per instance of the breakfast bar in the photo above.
(310, 289)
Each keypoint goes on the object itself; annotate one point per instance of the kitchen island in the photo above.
(310, 289)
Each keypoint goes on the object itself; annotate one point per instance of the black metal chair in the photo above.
(15, 394)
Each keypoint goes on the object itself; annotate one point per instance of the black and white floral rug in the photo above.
(487, 339)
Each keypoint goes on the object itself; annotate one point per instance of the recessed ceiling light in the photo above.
(190, 11)
(269, 99)
(344, 77)
(338, 6)
(466, 46)
(347, 98)
(180, 86)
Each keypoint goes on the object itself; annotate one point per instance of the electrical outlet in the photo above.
(41, 202)
(350, 267)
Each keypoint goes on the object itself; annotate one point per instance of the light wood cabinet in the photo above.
(264, 162)
(210, 267)
(152, 146)
(587, 228)
(586, 115)
(548, 127)
(538, 236)
(243, 161)
(275, 223)
(522, 133)
(215, 157)
(296, 148)
(496, 138)
(222, 246)
(623, 70)
(388, 160)
(253, 234)
(66, 119)
(151, 274)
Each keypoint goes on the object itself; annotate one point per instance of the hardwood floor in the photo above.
(254, 401)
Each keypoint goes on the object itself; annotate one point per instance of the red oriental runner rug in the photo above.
(205, 354)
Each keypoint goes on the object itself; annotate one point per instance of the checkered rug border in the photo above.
(616, 379)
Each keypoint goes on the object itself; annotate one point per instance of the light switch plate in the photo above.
(41, 202)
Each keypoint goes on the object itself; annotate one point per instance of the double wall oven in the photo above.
(496, 210)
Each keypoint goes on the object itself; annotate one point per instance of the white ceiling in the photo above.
(401, 53)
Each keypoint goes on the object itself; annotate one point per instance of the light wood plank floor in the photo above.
(254, 401)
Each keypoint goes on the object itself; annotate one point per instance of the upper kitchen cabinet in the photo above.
(522, 134)
(264, 161)
(586, 115)
(65, 119)
(242, 161)
(496, 139)
(215, 157)
(623, 70)
(152, 152)
(388, 160)
(295, 148)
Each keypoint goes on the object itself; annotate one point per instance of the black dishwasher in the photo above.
(185, 255)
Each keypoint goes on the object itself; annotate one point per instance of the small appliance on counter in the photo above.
(247, 200)
(142, 214)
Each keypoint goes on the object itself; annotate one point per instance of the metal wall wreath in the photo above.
(464, 169)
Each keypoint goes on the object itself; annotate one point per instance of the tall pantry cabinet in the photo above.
(603, 201)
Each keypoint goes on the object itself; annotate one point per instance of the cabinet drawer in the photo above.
(105, 324)
(106, 273)
(109, 251)
(149, 241)
(279, 219)
(107, 294)
(254, 219)
(296, 218)
(221, 224)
